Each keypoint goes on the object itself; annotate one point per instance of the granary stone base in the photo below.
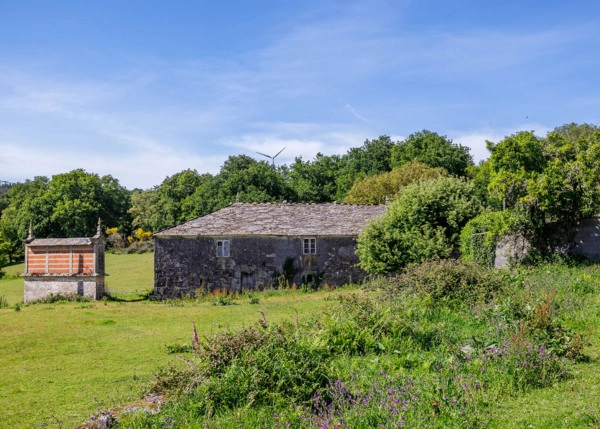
(38, 287)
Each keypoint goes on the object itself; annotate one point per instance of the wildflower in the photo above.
(195, 333)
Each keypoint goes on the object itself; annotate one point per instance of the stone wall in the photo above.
(183, 265)
(38, 287)
(585, 242)
(587, 239)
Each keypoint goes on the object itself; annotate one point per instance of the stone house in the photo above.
(251, 246)
(64, 266)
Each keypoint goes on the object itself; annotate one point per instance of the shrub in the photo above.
(448, 279)
(3, 302)
(423, 223)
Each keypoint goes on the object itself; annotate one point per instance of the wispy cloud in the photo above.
(354, 113)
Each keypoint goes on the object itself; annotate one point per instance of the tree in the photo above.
(173, 199)
(376, 189)
(27, 205)
(373, 157)
(251, 182)
(314, 182)
(145, 210)
(433, 150)
(424, 222)
(514, 161)
(79, 198)
(568, 189)
(552, 179)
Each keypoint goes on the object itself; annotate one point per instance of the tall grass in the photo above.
(436, 347)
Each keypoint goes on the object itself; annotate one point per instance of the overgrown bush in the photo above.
(423, 223)
(448, 279)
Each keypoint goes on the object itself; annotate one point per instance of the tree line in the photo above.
(548, 179)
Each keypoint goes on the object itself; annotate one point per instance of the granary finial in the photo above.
(30, 237)
(99, 228)
(387, 200)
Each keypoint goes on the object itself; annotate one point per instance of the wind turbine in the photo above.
(272, 158)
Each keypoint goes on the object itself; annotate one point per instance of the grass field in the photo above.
(60, 362)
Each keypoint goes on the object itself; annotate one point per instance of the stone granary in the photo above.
(64, 266)
(251, 246)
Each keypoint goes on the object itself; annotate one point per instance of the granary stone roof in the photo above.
(279, 219)
(83, 241)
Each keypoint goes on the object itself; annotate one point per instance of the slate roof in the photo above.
(61, 242)
(279, 219)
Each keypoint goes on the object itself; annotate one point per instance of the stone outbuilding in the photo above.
(252, 246)
(64, 266)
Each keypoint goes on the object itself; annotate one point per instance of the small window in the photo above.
(310, 246)
(223, 248)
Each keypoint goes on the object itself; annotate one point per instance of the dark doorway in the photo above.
(247, 282)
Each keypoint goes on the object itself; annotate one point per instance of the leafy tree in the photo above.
(514, 161)
(424, 222)
(556, 179)
(145, 209)
(315, 181)
(27, 204)
(480, 175)
(79, 198)
(433, 150)
(376, 189)
(11, 242)
(373, 157)
(568, 189)
(253, 181)
(174, 195)
(574, 132)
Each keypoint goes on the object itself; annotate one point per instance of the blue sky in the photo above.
(144, 89)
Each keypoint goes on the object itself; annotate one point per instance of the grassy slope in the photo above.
(57, 358)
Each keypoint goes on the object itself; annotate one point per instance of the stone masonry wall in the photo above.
(38, 287)
(184, 265)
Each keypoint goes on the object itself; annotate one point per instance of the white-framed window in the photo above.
(223, 248)
(310, 246)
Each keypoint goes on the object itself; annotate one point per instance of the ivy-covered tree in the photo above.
(552, 179)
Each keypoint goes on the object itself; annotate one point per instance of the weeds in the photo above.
(60, 297)
(435, 348)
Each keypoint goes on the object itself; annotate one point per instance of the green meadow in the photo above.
(61, 362)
